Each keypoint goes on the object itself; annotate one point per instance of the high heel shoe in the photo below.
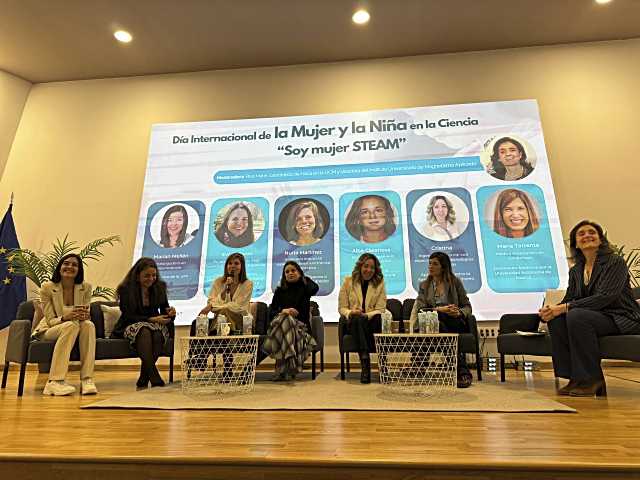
(566, 390)
(597, 388)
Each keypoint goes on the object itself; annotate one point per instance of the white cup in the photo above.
(422, 322)
(387, 318)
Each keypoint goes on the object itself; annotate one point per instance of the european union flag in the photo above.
(13, 288)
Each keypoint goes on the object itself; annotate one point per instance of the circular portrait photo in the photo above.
(175, 225)
(371, 219)
(239, 224)
(440, 216)
(303, 222)
(508, 158)
(512, 213)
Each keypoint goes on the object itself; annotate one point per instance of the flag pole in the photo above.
(11, 201)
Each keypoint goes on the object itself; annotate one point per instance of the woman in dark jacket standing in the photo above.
(598, 302)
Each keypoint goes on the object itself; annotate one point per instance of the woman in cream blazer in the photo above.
(361, 302)
(65, 302)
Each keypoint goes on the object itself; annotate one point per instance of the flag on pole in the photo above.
(13, 288)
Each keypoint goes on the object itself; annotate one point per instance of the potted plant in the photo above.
(39, 267)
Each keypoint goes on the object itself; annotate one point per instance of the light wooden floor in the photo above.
(51, 437)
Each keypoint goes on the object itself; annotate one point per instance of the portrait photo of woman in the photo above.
(515, 214)
(305, 222)
(236, 224)
(509, 160)
(440, 216)
(371, 219)
(179, 225)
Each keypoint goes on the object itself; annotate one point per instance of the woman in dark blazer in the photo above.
(598, 302)
(145, 316)
(444, 293)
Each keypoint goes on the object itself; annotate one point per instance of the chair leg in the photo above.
(322, 360)
(342, 366)
(479, 366)
(23, 367)
(313, 366)
(502, 379)
(348, 364)
(5, 373)
(171, 368)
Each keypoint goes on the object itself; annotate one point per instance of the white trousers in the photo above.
(65, 335)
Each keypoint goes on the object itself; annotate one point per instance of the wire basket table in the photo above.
(218, 364)
(422, 364)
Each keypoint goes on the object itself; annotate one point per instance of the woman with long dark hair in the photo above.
(598, 302)
(230, 293)
(236, 228)
(173, 231)
(65, 302)
(362, 300)
(145, 316)
(514, 215)
(288, 339)
(444, 293)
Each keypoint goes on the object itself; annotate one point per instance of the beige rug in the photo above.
(330, 393)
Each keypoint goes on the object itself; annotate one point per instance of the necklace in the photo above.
(515, 176)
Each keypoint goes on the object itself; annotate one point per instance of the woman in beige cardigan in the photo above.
(230, 294)
(65, 302)
(361, 301)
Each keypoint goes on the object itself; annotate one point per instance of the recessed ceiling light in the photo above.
(602, 2)
(123, 36)
(361, 17)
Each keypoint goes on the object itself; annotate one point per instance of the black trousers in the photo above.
(362, 329)
(449, 324)
(574, 343)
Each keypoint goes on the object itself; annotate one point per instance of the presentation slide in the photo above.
(469, 180)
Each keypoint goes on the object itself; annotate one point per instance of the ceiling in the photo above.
(54, 40)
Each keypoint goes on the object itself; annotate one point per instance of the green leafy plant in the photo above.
(632, 259)
(39, 267)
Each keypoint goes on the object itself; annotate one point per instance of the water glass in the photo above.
(247, 324)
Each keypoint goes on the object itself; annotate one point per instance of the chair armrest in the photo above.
(342, 330)
(317, 330)
(473, 325)
(511, 322)
(18, 341)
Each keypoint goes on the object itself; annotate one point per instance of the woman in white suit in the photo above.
(361, 301)
(65, 302)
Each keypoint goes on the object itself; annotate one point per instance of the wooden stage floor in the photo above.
(50, 437)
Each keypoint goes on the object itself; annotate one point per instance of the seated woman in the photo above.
(598, 302)
(65, 302)
(304, 224)
(441, 220)
(371, 219)
(236, 229)
(288, 339)
(515, 215)
(230, 294)
(145, 316)
(444, 293)
(362, 300)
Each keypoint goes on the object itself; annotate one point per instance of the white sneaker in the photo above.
(87, 387)
(58, 388)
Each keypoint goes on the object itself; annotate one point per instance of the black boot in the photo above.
(365, 373)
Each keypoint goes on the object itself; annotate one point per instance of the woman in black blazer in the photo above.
(145, 316)
(598, 302)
